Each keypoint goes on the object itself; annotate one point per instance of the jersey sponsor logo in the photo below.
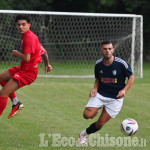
(109, 80)
(114, 72)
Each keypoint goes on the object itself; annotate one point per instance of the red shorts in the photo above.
(23, 77)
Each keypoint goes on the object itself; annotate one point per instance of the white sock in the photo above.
(83, 133)
(15, 101)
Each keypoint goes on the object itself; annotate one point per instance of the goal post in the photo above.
(73, 40)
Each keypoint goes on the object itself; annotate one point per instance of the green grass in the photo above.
(56, 106)
(60, 68)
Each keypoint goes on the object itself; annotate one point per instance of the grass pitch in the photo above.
(54, 107)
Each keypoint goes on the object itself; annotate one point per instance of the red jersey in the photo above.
(30, 44)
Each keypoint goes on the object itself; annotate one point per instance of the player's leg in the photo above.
(11, 95)
(104, 117)
(10, 87)
(5, 76)
(9, 74)
(94, 127)
(90, 112)
(16, 104)
(3, 103)
(93, 107)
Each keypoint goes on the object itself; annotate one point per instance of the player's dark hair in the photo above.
(22, 17)
(106, 42)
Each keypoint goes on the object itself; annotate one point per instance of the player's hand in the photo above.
(121, 94)
(48, 68)
(14, 52)
(93, 93)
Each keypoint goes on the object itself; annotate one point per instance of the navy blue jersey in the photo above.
(112, 78)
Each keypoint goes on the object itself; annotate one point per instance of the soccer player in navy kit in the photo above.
(109, 89)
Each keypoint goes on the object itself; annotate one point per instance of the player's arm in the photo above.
(48, 67)
(25, 57)
(130, 81)
(94, 90)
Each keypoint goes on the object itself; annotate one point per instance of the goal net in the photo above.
(73, 40)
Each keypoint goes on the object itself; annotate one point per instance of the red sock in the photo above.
(12, 95)
(3, 103)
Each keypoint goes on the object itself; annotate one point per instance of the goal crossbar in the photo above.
(69, 13)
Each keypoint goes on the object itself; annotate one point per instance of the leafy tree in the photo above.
(6, 4)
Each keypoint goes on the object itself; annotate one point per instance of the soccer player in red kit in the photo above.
(19, 76)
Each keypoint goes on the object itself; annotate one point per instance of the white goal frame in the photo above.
(134, 32)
